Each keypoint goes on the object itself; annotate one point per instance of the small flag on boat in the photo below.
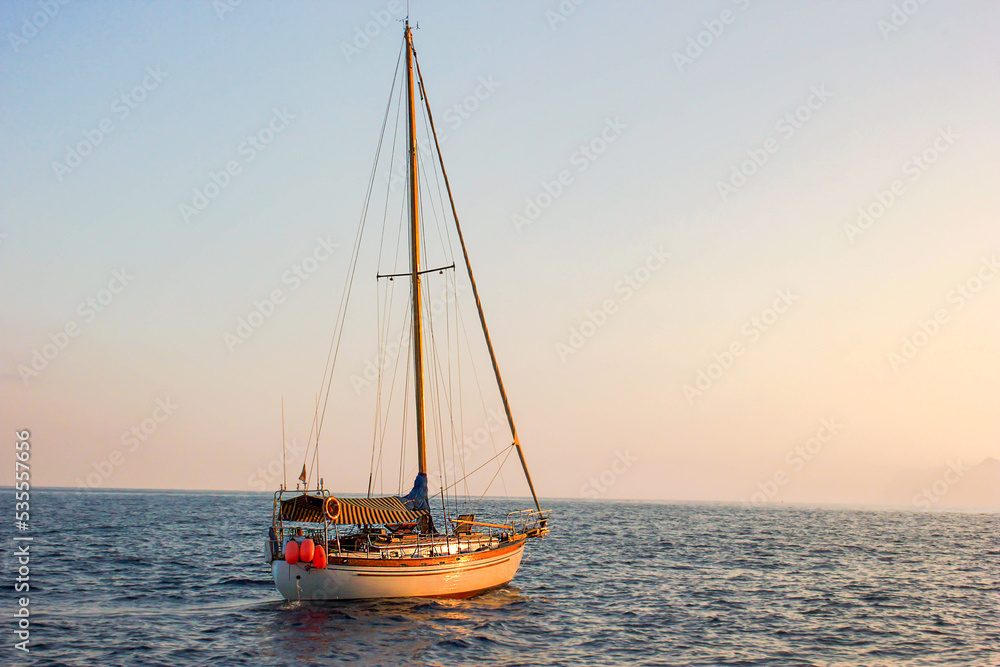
(302, 475)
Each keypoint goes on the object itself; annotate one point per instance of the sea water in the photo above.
(153, 578)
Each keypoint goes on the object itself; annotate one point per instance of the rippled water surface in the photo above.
(179, 579)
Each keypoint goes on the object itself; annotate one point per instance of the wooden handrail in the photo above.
(478, 523)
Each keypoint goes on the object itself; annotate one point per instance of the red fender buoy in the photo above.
(292, 552)
(319, 558)
(306, 550)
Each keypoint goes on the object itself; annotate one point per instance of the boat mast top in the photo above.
(418, 367)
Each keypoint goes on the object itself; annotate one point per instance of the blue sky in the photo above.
(879, 96)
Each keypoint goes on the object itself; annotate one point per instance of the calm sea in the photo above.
(136, 578)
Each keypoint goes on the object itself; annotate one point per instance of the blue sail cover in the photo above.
(416, 499)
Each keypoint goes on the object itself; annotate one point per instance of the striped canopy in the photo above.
(361, 511)
(303, 508)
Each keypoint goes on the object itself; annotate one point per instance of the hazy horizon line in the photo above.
(983, 509)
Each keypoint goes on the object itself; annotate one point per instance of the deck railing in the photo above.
(531, 523)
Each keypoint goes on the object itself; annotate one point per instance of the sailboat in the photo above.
(326, 547)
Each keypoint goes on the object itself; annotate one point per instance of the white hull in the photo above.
(459, 577)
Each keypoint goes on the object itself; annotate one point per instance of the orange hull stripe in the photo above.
(430, 574)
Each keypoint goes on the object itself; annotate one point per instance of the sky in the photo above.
(730, 250)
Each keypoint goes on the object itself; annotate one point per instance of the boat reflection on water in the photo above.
(393, 631)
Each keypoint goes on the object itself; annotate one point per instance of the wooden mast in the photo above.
(418, 367)
(475, 293)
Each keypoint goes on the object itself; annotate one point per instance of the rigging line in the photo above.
(378, 388)
(384, 336)
(458, 374)
(391, 288)
(392, 155)
(406, 394)
(475, 292)
(442, 234)
(284, 471)
(459, 434)
(457, 481)
(430, 344)
(451, 387)
(392, 389)
(345, 298)
(378, 391)
(391, 291)
(388, 308)
(401, 223)
(437, 404)
(442, 468)
(305, 455)
(440, 400)
(454, 378)
(434, 210)
(499, 468)
(437, 181)
(395, 258)
(444, 511)
(399, 230)
(312, 468)
(436, 395)
(383, 330)
(338, 330)
(316, 454)
(405, 323)
(376, 466)
(312, 428)
(440, 381)
(429, 339)
(364, 211)
(436, 422)
(482, 400)
(461, 394)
